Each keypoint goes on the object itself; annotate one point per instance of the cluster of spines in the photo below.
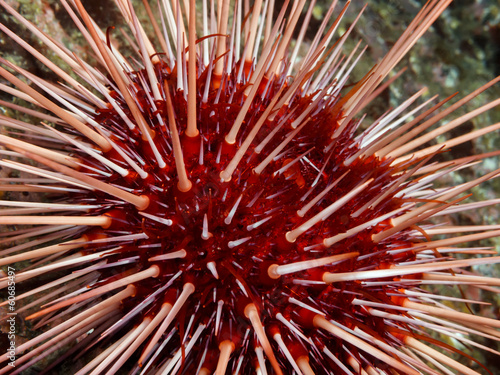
(256, 77)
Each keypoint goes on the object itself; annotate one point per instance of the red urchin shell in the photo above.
(286, 242)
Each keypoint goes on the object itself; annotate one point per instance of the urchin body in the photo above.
(234, 219)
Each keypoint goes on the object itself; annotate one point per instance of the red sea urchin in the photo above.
(223, 213)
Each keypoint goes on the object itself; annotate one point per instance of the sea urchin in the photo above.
(211, 204)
